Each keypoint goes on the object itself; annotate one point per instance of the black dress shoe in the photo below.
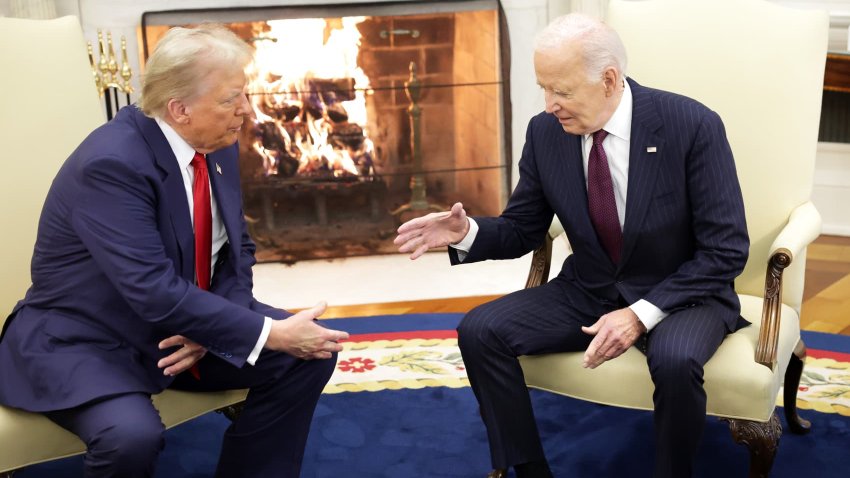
(498, 473)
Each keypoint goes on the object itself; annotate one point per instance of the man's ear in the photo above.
(178, 111)
(610, 79)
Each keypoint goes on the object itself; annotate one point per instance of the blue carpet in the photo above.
(436, 432)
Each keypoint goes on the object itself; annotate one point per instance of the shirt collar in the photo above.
(181, 149)
(620, 123)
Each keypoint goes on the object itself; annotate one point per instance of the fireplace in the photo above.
(365, 115)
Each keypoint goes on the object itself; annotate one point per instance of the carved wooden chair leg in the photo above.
(793, 373)
(761, 439)
(232, 412)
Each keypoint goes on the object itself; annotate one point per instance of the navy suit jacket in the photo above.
(113, 274)
(684, 238)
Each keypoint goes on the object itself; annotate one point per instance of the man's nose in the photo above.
(552, 106)
(244, 108)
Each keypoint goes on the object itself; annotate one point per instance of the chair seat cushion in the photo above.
(30, 438)
(737, 386)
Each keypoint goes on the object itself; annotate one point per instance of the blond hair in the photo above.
(183, 59)
(601, 46)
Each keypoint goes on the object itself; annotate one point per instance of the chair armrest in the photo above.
(541, 260)
(803, 227)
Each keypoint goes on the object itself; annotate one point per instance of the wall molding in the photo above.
(831, 187)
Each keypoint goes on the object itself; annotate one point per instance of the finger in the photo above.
(595, 328)
(593, 364)
(171, 341)
(419, 251)
(614, 353)
(592, 330)
(407, 237)
(312, 312)
(319, 308)
(606, 344)
(592, 361)
(337, 335)
(331, 347)
(420, 222)
(411, 225)
(180, 366)
(173, 358)
(594, 354)
(457, 210)
(409, 246)
(320, 355)
(590, 353)
(407, 226)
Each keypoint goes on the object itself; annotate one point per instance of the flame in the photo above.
(308, 95)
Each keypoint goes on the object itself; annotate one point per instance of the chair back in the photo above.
(50, 103)
(760, 66)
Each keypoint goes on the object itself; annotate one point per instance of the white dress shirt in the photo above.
(616, 145)
(184, 154)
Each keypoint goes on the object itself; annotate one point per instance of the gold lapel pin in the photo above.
(650, 149)
(217, 168)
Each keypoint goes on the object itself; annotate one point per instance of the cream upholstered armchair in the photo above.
(50, 104)
(760, 66)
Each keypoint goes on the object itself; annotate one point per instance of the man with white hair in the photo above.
(142, 265)
(644, 183)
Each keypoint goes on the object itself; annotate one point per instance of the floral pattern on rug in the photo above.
(396, 364)
(824, 386)
(419, 363)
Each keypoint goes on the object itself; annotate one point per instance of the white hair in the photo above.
(601, 45)
(182, 61)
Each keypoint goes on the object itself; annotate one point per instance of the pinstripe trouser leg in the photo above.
(493, 335)
(677, 349)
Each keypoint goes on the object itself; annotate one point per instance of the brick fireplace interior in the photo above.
(327, 163)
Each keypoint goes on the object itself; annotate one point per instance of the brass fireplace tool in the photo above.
(418, 200)
(108, 78)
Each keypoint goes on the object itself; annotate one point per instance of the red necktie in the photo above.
(600, 199)
(203, 221)
(203, 229)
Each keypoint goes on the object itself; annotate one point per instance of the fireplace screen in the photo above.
(364, 116)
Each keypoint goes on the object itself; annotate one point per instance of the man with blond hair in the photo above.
(644, 183)
(142, 281)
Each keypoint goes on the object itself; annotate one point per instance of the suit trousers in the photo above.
(124, 434)
(548, 319)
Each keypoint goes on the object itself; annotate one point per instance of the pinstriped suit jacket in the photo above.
(685, 236)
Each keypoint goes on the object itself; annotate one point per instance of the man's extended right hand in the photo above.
(437, 229)
(301, 336)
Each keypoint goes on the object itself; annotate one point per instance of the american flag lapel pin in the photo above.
(649, 149)
(217, 168)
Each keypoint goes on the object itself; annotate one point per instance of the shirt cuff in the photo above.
(261, 342)
(465, 244)
(647, 313)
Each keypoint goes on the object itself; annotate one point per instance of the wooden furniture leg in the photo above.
(793, 373)
(762, 441)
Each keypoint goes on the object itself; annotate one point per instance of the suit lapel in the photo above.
(646, 151)
(225, 198)
(575, 192)
(175, 192)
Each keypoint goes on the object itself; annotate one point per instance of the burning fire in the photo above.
(308, 95)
